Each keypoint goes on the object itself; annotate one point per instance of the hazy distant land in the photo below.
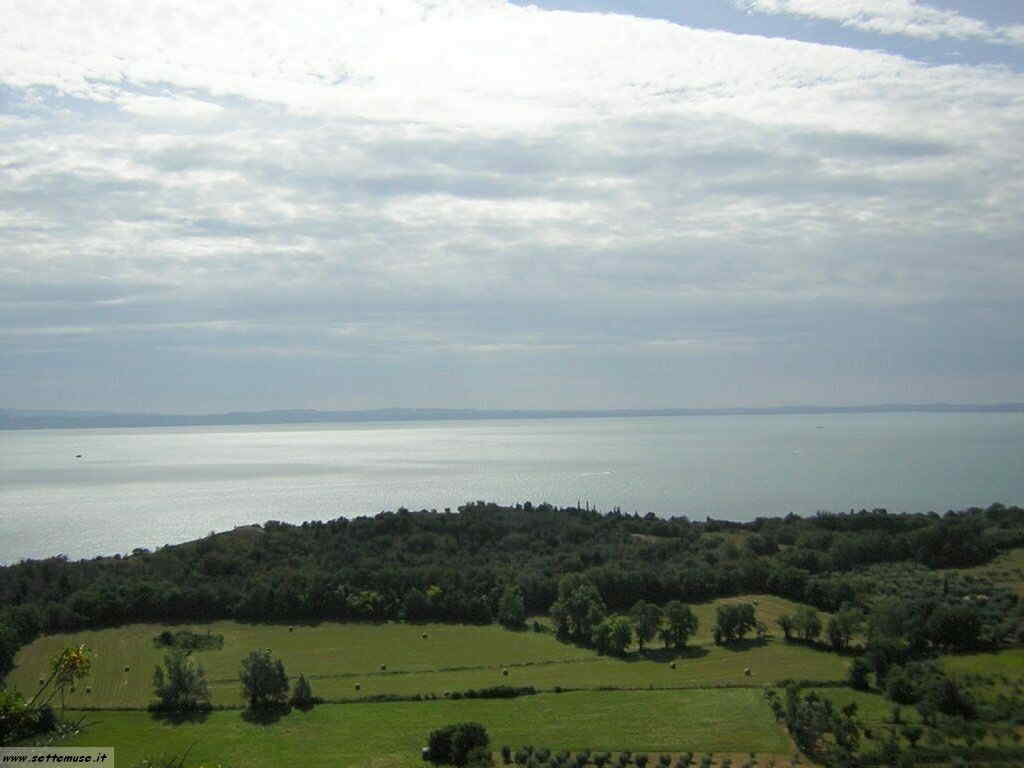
(24, 419)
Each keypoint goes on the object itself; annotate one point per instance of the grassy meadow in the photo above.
(389, 735)
(337, 657)
(705, 703)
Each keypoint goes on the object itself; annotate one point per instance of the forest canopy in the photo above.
(487, 563)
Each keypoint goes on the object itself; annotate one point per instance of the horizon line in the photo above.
(11, 418)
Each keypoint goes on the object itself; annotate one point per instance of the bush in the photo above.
(496, 692)
(187, 640)
(17, 721)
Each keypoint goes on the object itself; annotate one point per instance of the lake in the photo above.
(149, 487)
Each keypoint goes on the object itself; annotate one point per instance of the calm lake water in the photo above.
(149, 487)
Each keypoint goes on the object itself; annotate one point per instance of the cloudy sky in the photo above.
(236, 204)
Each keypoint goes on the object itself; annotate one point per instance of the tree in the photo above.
(458, 744)
(367, 604)
(264, 682)
(859, 672)
(66, 667)
(787, 625)
(578, 609)
(680, 625)
(887, 620)
(944, 694)
(646, 619)
(733, 621)
(913, 734)
(302, 694)
(842, 627)
(180, 684)
(415, 605)
(900, 687)
(810, 718)
(512, 608)
(955, 627)
(613, 635)
(808, 623)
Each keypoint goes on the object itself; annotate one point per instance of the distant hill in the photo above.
(22, 419)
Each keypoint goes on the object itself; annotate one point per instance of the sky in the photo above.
(247, 205)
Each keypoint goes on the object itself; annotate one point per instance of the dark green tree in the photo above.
(512, 608)
(264, 682)
(180, 684)
(613, 635)
(302, 694)
(460, 744)
(859, 674)
(842, 627)
(733, 621)
(680, 624)
(578, 609)
(415, 605)
(646, 620)
(787, 625)
(808, 623)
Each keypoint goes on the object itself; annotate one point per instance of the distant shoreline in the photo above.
(24, 419)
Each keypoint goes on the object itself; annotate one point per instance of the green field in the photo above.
(390, 735)
(1009, 662)
(1006, 570)
(872, 708)
(337, 657)
(706, 703)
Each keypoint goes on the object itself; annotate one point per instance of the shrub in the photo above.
(187, 640)
(18, 721)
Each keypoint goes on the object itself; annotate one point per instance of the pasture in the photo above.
(337, 657)
(389, 735)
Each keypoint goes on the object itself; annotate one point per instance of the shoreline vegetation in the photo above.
(41, 419)
(843, 639)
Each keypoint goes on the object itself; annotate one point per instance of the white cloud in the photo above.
(169, 107)
(424, 181)
(892, 17)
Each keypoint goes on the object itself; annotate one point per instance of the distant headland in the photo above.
(28, 419)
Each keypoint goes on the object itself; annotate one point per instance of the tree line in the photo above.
(490, 563)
